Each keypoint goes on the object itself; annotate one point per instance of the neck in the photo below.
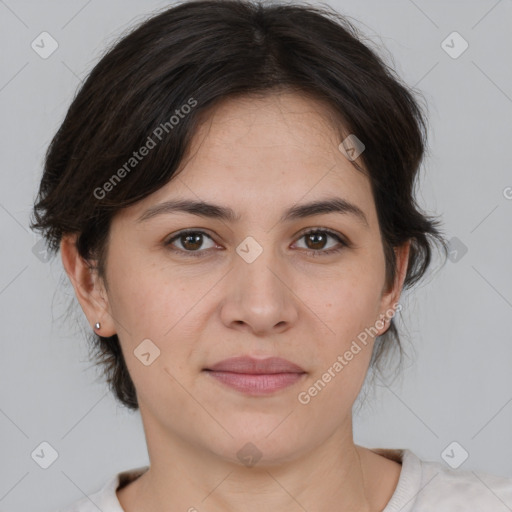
(181, 476)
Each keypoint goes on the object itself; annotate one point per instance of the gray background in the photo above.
(457, 382)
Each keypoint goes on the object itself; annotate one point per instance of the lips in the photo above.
(250, 365)
(256, 377)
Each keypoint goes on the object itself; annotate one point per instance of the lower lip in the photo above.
(257, 384)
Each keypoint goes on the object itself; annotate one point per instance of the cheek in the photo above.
(343, 356)
(132, 300)
(150, 303)
(142, 304)
(350, 309)
(350, 303)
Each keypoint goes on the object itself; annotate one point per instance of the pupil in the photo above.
(193, 236)
(311, 236)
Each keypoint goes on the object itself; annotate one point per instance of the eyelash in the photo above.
(310, 252)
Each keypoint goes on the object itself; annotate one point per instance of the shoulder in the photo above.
(457, 489)
(425, 486)
(99, 500)
(105, 499)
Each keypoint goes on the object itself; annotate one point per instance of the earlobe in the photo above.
(89, 289)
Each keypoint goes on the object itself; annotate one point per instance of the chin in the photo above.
(257, 443)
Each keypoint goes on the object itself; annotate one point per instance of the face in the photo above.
(303, 288)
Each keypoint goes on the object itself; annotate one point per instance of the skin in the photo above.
(258, 156)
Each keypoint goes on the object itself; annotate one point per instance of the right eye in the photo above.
(190, 240)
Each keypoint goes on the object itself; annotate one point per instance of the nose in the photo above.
(259, 296)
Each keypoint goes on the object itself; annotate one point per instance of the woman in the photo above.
(232, 195)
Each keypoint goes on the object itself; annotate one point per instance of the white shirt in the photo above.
(422, 487)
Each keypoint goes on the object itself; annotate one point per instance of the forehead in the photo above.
(280, 149)
(291, 122)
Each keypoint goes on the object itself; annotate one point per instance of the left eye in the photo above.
(319, 237)
(192, 241)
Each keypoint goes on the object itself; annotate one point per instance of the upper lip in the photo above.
(250, 365)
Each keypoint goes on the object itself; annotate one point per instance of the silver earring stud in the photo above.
(97, 325)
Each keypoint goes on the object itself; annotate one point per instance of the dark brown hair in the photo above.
(197, 54)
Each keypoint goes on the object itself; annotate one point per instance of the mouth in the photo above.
(256, 376)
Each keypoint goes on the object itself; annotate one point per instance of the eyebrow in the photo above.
(213, 211)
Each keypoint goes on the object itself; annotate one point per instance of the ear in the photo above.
(89, 288)
(392, 296)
